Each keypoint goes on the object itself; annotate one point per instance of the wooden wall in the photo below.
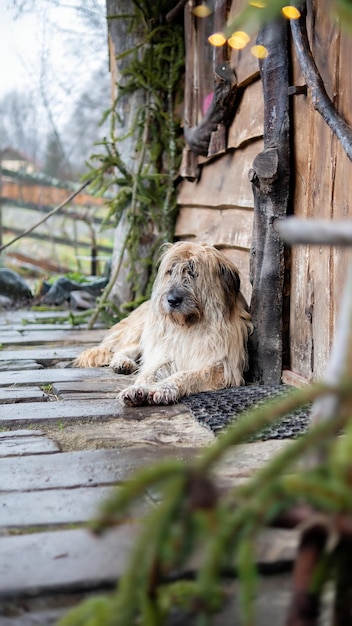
(218, 208)
(322, 188)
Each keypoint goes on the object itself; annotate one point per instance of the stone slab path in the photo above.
(65, 443)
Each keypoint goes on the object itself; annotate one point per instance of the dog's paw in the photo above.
(122, 364)
(93, 357)
(134, 396)
(162, 394)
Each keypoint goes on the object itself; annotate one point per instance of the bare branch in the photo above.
(320, 98)
(174, 13)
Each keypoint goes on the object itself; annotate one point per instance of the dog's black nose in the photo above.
(174, 300)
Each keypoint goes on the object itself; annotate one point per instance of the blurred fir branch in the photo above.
(193, 519)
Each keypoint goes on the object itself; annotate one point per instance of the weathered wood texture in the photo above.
(46, 565)
(219, 208)
(14, 415)
(69, 560)
(29, 394)
(270, 177)
(43, 489)
(23, 442)
(37, 337)
(49, 376)
(216, 200)
(322, 189)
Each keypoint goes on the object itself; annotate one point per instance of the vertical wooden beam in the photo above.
(270, 179)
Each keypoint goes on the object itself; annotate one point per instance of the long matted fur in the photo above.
(191, 336)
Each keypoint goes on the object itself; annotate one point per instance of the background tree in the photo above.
(69, 85)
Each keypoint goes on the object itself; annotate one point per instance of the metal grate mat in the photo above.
(217, 409)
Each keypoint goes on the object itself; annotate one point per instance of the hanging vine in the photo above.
(145, 195)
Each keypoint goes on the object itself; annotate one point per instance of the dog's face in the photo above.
(194, 281)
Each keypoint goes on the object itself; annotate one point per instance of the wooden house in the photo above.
(271, 154)
(296, 302)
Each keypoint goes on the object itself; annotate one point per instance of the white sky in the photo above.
(22, 42)
(17, 49)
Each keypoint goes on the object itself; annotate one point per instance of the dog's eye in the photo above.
(171, 269)
(191, 270)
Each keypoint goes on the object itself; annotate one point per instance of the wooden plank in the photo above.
(51, 375)
(28, 394)
(293, 379)
(36, 337)
(25, 364)
(17, 414)
(51, 507)
(51, 412)
(246, 66)
(219, 227)
(244, 63)
(321, 189)
(25, 442)
(24, 316)
(301, 288)
(248, 122)
(92, 386)
(9, 328)
(32, 322)
(42, 355)
(67, 560)
(95, 394)
(47, 617)
(86, 468)
(341, 257)
(224, 182)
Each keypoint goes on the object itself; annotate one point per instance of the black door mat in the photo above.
(217, 409)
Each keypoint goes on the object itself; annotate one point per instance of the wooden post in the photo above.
(270, 179)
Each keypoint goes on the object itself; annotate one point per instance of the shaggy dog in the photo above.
(191, 336)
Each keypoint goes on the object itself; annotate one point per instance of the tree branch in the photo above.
(320, 98)
(173, 13)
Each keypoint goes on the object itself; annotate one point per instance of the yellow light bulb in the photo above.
(259, 4)
(260, 52)
(217, 39)
(238, 40)
(291, 13)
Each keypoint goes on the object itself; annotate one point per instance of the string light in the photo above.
(238, 40)
(217, 39)
(202, 10)
(260, 52)
(292, 13)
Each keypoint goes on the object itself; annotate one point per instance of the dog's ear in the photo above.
(230, 280)
(163, 250)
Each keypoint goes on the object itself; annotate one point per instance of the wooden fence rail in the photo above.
(61, 243)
